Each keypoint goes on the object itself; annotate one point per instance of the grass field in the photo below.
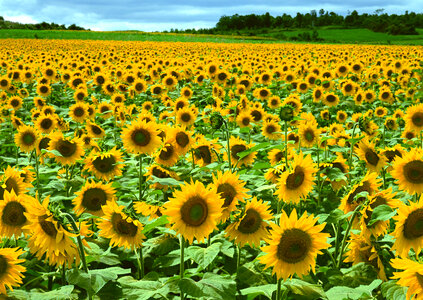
(330, 35)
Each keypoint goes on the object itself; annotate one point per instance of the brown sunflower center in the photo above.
(371, 157)
(294, 246)
(318, 94)
(157, 90)
(257, 116)
(186, 117)
(66, 148)
(13, 214)
(141, 137)
(94, 198)
(123, 227)
(330, 98)
(139, 87)
(227, 192)
(235, 149)
(270, 129)
(194, 212)
(43, 89)
(309, 135)
(348, 88)
(251, 222)
(79, 111)
(385, 95)
(28, 138)
(167, 152)
(182, 139)
(303, 86)
(413, 171)
(104, 164)
(47, 226)
(342, 69)
(413, 226)
(96, 130)
(296, 179)
(204, 153)
(364, 187)
(264, 93)
(159, 173)
(417, 119)
(15, 103)
(46, 123)
(44, 143)
(3, 265)
(246, 121)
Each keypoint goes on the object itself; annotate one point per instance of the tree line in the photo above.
(4, 24)
(378, 21)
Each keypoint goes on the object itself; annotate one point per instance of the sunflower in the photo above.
(148, 210)
(27, 175)
(296, 183)
(237, 146)
(340, 164)
(294, 245)
(262, 93)
(205, 151)
(330, 99)
(410, 277)
(11, 180)
(366, 151)
(409, 230)
(139, 86)
(294, 101)
(12, 209)
(168, 154)
(231, 189)
(309, 134)
(271, 130)
(15, 102)
(369, 184)
(105, 110)
(49, 237)
(79, 112)
(183, 139)
(317, 94)
(186, 92)
(408, 171)
(46, 123)
(194, 211)
(244, 119)
(70, 150)
(181, 103)
(251, 227)
(80, 94)
(43, 90)
(26, 138)
(11, 270)
(414, 118)
(105, 165)
(141, 137)
(159, 172)
(94, 130)
(186, 116)
(277, 156)
(361, 250)
(92, 197)
(274, 102)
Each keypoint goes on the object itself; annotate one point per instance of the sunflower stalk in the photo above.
(140, 178)
(228, 150)
(278, 290)
(140, 264)
(286, 143)
(37, 174)
(351, 152)
(181, 265)
(78, 237)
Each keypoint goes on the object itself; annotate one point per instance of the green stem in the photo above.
(63, 274)
(193, 159)
(351, 153)
(140, 264)
(286, 144)
(78, 237)
(67, 181)
(278, 290)
(347, 231)
(318, 175)
(228, 150)
(140, 178)
(37, 175)
(181, 265)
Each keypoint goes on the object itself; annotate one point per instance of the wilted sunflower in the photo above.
(105, 165)
(194, 211)
(12, 218)
(231, 189)
(409, 230)
(294, 245)
(408, 171)
(297, 182)
(70, 150)
(366, 151)
(251, 226)
(49, 237)
(141, 137)
(10, 272)
(26, 138)
(370, 184)
(414, 118)
(92, 196)
(411, 276)
(121, 229)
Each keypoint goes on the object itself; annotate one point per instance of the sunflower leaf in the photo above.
(64, 292)
(166, 181)
(203, 256)
(381, 213)
(336, 174)
(360, 292)
(265, 290)
(156, 223)
(245, 153)
(300, 287)
(190, 287)
(391, 290)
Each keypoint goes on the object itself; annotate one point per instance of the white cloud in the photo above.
(21, 19)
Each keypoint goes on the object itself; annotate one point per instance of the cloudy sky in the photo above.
(161, 15)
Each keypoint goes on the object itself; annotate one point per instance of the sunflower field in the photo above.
(158, 170)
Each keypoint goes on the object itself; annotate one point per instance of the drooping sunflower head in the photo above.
(168, 154)
(194, 211)
(294, 245)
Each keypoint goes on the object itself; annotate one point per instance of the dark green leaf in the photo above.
(360, 292)
(265, 290)
(391, 290)
(203, 256)
(156, 223)
(381, 213)
(190, 287)
(300, 287)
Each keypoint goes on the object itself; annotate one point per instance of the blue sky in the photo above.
(161, 15)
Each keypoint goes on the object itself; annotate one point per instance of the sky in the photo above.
(160, 15)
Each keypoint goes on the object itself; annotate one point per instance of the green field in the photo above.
(330, 35)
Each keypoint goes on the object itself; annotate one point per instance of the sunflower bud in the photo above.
(216, 121)
(286, 113)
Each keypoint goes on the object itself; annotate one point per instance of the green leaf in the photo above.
(245, 153)
(360, 292)
(140, 289)
(391, 290)
(381, 213)
(300, 287)
(218, 286)
(336, 174)
(203, 256)
(166, 181)
(265, 187)
(156, 223)
(190, 287)
(265, 290)
(95, 253)
(64, 292)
